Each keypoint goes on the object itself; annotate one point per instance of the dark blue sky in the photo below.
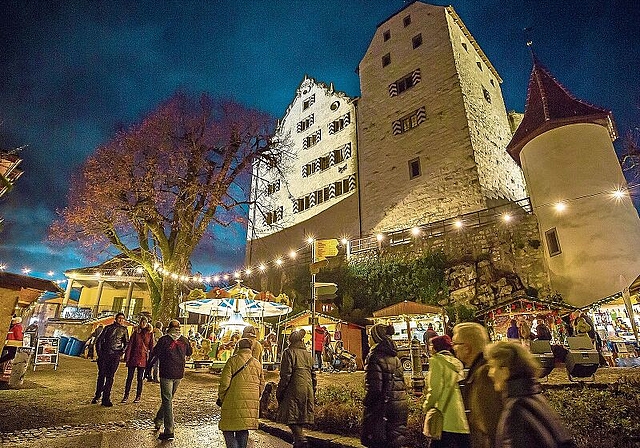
(72, 71)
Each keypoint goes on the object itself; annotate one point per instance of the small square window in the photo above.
(416, 41)
(386, 35)
(553, 243)
(414, 168)
(406, 21)
(386, 59)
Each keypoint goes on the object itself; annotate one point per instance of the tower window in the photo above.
(414, 168)
(406, 21)
(308, 102)
(409, 122)
(416, 41)
(553, 243)
(486, 94)
(386, 35)
(464, 45)
(479, 64)
(492, 82)
(386, 59)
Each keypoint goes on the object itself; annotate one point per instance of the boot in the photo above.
(125, 399)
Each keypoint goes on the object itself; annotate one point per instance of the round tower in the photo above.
(588, 224)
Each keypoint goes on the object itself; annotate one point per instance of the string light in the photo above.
(26, 270)
(415, 231)
(560, 206)
(507, 217)
(51, 273)
(379, 237)
(344, 241)
(293, 254)
(458, 224)
(3, 266)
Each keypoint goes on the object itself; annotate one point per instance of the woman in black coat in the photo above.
(385, 402)
(526, 419)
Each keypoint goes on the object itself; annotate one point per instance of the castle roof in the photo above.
(550, 105)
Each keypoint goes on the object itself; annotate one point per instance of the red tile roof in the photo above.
(550, 105)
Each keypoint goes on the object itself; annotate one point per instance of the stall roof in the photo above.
(407, 308)
(307, 314)
(521, 305)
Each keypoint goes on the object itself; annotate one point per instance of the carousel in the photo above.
(228, 311)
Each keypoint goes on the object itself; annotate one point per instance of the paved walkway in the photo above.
(125, 434)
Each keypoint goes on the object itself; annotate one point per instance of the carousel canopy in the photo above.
(239, 299)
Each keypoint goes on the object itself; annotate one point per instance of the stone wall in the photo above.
(489, 264)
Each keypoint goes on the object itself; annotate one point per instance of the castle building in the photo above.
(588, 224)
(314, 193)
(432, 124)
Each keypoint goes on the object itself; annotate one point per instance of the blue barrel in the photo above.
(69, 346)
(63, 344)
(76, 347)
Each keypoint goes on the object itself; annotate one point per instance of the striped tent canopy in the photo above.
(223, 302)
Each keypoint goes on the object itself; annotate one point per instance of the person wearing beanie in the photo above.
(296, 389)
(249, 332)
(385, 402)
(443, 393)
(241, 385)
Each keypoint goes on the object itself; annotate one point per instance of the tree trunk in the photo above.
(168, 306)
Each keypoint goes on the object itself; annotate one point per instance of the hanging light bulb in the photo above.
(235, 322)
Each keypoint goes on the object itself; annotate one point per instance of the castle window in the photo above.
(414, 168)
(274, 216)
(320, 196)
(273, 187)
(312, 139)
(464, 45)
(553, 243)
(416, 41)
(479, 64)
(492, 82)
(406, 21)
(386, 35)
(305, 124)
(338, 156)
(324, 163)
(386, 59)
(308, 102)
(339, 124)
(404, 83)
(409, 122)
(486, 94)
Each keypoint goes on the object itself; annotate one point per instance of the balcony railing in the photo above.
(438, 228)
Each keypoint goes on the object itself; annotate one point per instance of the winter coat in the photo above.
(139, 348)
(15, 333)
(318, 341)
(528, 420)
(445, 371)
(256, 348)
(113, 340)
(171, 350)
(543, 333)
(513, 332)
(385, 402)
(483, 404)
(296, 388)
(240, 396)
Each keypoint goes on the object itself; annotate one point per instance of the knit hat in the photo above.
(244, 343)
(379, 332)
(297, 336)
(249, 332)
(441, 343)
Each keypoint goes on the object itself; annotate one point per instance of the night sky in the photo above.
(72, 72)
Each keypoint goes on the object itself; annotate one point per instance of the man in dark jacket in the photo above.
(171, 350)
(110, 346)
(482, 403)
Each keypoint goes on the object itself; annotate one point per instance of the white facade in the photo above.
(319, 131)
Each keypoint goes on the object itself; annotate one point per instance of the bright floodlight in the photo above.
(248, 271)
(236, 274)
(457, 224)
(344, 241)
(379, 236)
(3, 266)
(279, 261)
(26, 270)
(415, 231)
(507, 217)
(618, 194)
(560, 206)
(262, 267)
(293, 254)
(310, 240)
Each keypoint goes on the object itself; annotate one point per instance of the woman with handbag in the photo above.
(445, 422)
(241, 385)
(386, 409)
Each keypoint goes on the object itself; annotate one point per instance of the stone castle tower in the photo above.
(590, 229)
(432, 124)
